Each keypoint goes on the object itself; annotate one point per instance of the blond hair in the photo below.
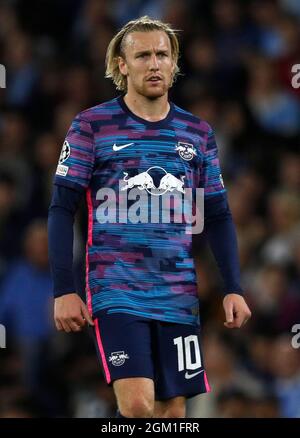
(116, 47)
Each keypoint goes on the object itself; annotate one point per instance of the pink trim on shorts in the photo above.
(101, 350)
(207, 387)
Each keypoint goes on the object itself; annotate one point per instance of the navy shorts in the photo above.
(168, 353)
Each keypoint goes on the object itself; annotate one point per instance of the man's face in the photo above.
(147, 63)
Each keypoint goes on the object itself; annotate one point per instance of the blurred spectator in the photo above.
(259, 355)
(76, 87)
(289, 173)
(21, 70)
(64, 114)
(277, 306)
(233, 403)
(284, 224)
(45, 155)
(224, 373)
(234, 36)
(296, 263)
(291, 6)
(8, 20)
(11, 221)
(244, 199)
(285, 364)
(25, 310)
(92, 15)
(18, 408)
(125, 10)
(275, 110)
(266, 15)
(265, 407)
(14, 133)
(178, 13)
(290, 31)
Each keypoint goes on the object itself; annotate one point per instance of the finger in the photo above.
(245, 321)
(65, 325)
(58, 325)
(229, 325)
(235, 323)
(73, 325)
(229, 312)
(241, 318)
(79, 320)
(86, 314)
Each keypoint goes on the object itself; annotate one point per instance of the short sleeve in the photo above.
(76, 161)
(211, 173)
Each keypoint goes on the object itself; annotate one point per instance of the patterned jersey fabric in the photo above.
(137, 176)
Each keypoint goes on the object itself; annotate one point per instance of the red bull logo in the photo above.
(170, 182)
(144, 181)
(141, 181)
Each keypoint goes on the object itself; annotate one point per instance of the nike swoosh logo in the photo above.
(190, 376)
(118, 148)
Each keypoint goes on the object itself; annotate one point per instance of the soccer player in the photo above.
(126, 155)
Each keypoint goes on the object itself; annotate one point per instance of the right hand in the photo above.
(70, 313)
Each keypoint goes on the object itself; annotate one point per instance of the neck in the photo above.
(152, 110)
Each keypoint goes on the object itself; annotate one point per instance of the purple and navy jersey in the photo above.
(138, 263)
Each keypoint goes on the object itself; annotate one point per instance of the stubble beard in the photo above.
(153, 94)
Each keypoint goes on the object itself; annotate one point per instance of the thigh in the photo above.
(179, 368)
(123, 344)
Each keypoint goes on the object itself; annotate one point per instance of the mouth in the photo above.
(154, 79)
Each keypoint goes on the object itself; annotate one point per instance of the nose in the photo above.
(154, 63)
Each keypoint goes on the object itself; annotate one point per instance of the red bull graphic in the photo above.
(170, 182)
(144, 181)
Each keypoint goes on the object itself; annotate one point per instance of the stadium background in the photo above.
(236, 63)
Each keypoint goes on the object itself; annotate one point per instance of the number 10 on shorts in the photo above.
(185, 346)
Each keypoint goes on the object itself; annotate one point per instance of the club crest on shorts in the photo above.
(65, 152)
(186, 150)
(117, 358)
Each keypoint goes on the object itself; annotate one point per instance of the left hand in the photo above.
(236, 311)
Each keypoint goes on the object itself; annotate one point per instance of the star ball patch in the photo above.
(65, 152)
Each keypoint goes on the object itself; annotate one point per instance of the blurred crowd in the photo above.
(236, 65)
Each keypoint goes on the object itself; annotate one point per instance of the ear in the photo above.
(122, 66)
